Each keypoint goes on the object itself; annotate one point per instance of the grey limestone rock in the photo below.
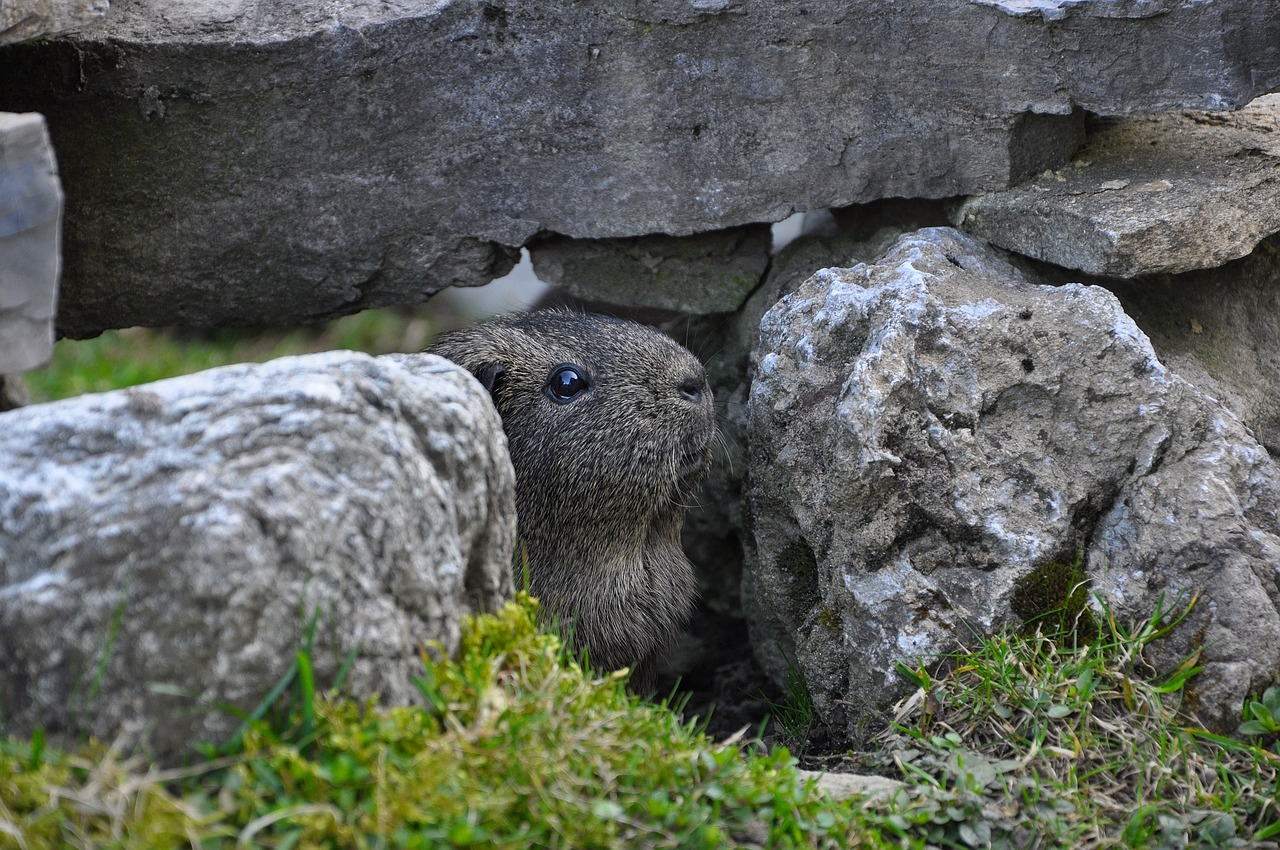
(30, 221)
(24, 19)
(713, 528)
(843, 786)
(931, 430)
(236, 162)
(1217, 328)
(1160, 194)
(13, 393)
(699, 274)
(178, 537)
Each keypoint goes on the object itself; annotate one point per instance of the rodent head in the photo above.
(609, 422)
(610, 426)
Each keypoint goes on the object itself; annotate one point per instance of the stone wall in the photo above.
(234, 163)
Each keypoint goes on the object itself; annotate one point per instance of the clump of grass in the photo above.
(517, 747)
(125, 358)
(1044, 740)
(1054, 597)
(794, 713)
(1026, 741)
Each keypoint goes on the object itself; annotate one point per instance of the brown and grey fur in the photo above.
(603, 481)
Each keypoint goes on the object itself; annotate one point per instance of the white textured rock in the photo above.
(1220, 329)
(30, 229)
(25, 19)
(182, 534)
(843, 786)
(930, 430)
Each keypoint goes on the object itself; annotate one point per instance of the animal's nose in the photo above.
(691, 389)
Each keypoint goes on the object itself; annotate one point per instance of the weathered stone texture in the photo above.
(929, 430)
(30, 218)
(13, 393)
(1152, 195)
(24, 19)
(700, 274)
(235, 162)
(1220, 329)
(713, 529)
(1217, 328)
(182, 534)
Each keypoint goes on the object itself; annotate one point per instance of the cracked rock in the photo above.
(713, 528)
(1161, 194)
(932, 435)
(164, 548)
(1217, 328)
(239, 162)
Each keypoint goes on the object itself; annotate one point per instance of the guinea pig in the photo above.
(610, 426)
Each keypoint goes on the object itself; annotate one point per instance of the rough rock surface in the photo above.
(1149, 195)
(234, 162)
(933, 433)
(843, 786)
(713, 529)
(182, 534)
(30, 217)
(700, 274)
(1217, 328)
(24, 19)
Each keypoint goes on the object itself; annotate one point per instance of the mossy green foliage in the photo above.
(1054, 597)
(518, 747)
(134, 356)
(1025, 741)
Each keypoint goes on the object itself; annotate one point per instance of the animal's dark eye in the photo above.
(567, 382)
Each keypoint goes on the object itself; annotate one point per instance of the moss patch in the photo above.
(518, 746)
(1054, 597)
(798, 567)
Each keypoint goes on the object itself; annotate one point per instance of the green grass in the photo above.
(133, 356)
(1036, 740)
(1024, 741)
(517, 747)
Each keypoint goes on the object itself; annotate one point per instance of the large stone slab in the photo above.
(936, 440)
(233, 162)
(178, 537)
(1160, 194)
(30, 221)
(24, 19)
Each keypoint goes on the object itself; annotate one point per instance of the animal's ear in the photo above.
(475, 350)
(489, 374)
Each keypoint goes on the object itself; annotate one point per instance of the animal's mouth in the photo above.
(694, 461)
